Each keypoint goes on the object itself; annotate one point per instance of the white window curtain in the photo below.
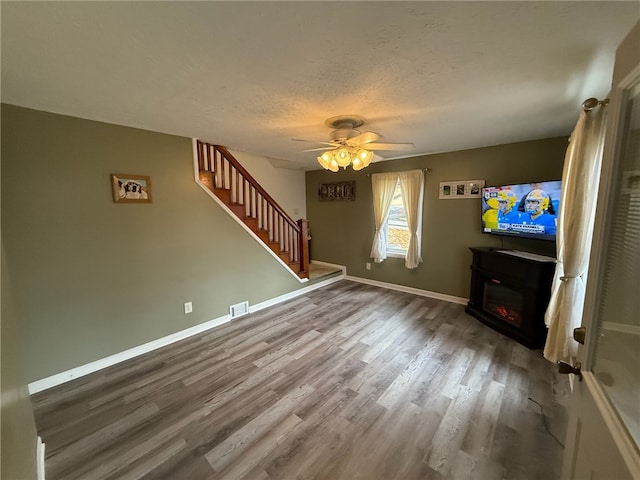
(383, 186)
(580, 178)
(412, 186)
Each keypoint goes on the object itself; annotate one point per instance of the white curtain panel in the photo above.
(580, 179)
(383, 186)
(412, 186)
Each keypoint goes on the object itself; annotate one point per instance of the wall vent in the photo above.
(239, 309)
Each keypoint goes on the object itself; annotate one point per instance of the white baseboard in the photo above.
(40, 459)
(294, 294)
(81, 371)
(63, 377)
(415, 291)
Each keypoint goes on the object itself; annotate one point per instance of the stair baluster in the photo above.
(223, 175)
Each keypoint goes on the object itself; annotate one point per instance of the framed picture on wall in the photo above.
(129, 188)
(461, 189)
(337, 191)
(474, 188)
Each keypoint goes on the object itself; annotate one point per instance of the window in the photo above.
(396, 229)
(397, 215)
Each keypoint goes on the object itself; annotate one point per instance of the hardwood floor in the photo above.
(347, 382)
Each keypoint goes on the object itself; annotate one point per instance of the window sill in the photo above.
(396, 254)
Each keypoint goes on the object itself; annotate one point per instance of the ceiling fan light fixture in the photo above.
(343, 157)
(349, 146)
(365, 156)
(357, 164)
(325, 159)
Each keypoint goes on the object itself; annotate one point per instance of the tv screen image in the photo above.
(526, 210)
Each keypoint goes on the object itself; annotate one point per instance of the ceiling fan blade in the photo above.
(311, 141)
(316, 149)
(399, 147)
(366, 137)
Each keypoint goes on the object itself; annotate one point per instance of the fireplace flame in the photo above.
(506, 313)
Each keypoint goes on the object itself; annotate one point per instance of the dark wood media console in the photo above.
(510, 293)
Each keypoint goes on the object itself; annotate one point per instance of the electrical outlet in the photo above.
(188, 307)
(367, 266)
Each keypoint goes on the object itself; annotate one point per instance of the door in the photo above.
(603, 433)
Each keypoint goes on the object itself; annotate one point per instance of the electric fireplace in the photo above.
(503, 302)
(510, 292)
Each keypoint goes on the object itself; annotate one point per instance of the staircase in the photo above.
(221, 173)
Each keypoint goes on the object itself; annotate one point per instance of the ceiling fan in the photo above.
(350, 146)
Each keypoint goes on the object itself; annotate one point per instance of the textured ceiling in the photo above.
(254, 75)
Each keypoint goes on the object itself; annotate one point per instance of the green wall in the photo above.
(92, 278)
(342, 232)
(18, 432)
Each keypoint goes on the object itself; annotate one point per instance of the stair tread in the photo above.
(239, 209)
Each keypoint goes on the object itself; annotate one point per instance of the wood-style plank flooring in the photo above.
(349, 381)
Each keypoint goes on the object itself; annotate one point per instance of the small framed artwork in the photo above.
(461, 189)
(337, 191)
(472, 188)
(130, 188)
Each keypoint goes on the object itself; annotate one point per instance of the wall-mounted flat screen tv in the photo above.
(525, 210)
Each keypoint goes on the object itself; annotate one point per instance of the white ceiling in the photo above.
(254, 75)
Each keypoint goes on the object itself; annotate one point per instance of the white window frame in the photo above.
(392, 251)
